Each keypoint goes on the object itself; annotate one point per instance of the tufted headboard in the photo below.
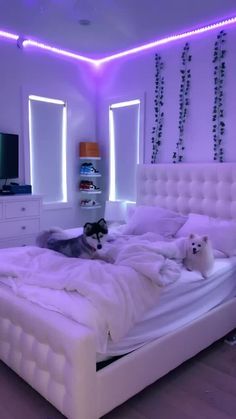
(203, 188)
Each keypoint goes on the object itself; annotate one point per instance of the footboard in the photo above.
(55, 355)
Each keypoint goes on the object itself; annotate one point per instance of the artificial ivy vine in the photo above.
(158, 108)
(218, 127)
(185, 74)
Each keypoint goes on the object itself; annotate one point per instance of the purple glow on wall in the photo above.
(169, 39)
(8, 35)
(55, 50)
(98, 62)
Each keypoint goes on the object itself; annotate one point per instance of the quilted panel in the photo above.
(36, 362)
(205, 188)
(53, 354)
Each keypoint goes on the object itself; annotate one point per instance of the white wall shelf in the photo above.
(91, 175)
(90, 192)
(85, 207)
(90, 158)
(90, 165)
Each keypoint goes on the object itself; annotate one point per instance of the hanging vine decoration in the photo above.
(158, 108)
(185, 74)
(218, 124)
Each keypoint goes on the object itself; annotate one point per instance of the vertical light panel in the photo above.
(124, 133)
(48, 157)
(112, 162)
(64, 154)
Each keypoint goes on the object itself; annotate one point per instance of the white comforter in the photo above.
(118, 294)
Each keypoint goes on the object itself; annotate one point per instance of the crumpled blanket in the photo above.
(121, 292)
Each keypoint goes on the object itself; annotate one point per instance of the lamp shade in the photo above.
(115, 211)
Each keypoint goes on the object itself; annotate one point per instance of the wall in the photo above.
(125, 78)
(132, 76)
(55, 77)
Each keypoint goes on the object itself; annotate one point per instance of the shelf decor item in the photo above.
(89, 204)
(158, 108)
(88, 149)
(218, 124)
(88, 186)
(88, 169)
(89, 155)
(185, 74)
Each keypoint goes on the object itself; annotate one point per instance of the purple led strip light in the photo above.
(59, 51)
(97, 62)
(169, 39)
(9, 35)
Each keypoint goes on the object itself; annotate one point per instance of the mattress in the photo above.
(179, 304)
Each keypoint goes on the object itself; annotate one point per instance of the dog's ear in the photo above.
(191, 236)
(205, 239)
(87, 228)
(102, 223)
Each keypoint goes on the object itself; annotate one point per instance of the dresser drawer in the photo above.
(19, 227)
(18, 241)
(22, 209)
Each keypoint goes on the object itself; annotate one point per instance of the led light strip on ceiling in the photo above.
(97, 62)
(8, 35)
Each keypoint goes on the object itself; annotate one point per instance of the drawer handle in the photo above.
(23, 209)
(23, 227)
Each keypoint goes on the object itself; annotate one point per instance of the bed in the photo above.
(57, 356)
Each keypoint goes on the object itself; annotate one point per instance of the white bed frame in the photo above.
(56, 356)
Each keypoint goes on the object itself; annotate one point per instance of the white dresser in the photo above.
(19, 219)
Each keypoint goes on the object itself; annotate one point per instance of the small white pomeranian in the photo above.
(199, 255)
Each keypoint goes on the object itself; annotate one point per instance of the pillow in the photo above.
(222, 233)
(154, 219)
(130, 209)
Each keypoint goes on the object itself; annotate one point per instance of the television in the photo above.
(9, 156)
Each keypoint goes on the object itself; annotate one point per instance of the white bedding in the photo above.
(108, 298)
(143, 296)
(179, 304)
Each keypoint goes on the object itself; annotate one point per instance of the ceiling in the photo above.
(115, 25)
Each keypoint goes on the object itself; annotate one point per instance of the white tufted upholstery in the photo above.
(57, 356)
(53, 354)
(207, 188)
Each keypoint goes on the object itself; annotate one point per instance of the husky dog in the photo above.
(84, 246)
(199, 254)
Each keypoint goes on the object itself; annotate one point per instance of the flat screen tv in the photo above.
(9, 156)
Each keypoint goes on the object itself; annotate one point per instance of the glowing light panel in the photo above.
(64, 155)
(31, 146)
(112, 163)
(63, 144)
(124, 104)
(9, 35)
(46, 99)
(112, 183)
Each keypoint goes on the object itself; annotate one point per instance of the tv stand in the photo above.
(19, 219)
(5, 192)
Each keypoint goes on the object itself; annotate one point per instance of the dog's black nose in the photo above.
(99, 246)
(194, 250)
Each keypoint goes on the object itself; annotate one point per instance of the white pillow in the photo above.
(154, 219)
(130, 209)
(222, 233)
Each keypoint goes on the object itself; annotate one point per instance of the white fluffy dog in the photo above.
(199, 254)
